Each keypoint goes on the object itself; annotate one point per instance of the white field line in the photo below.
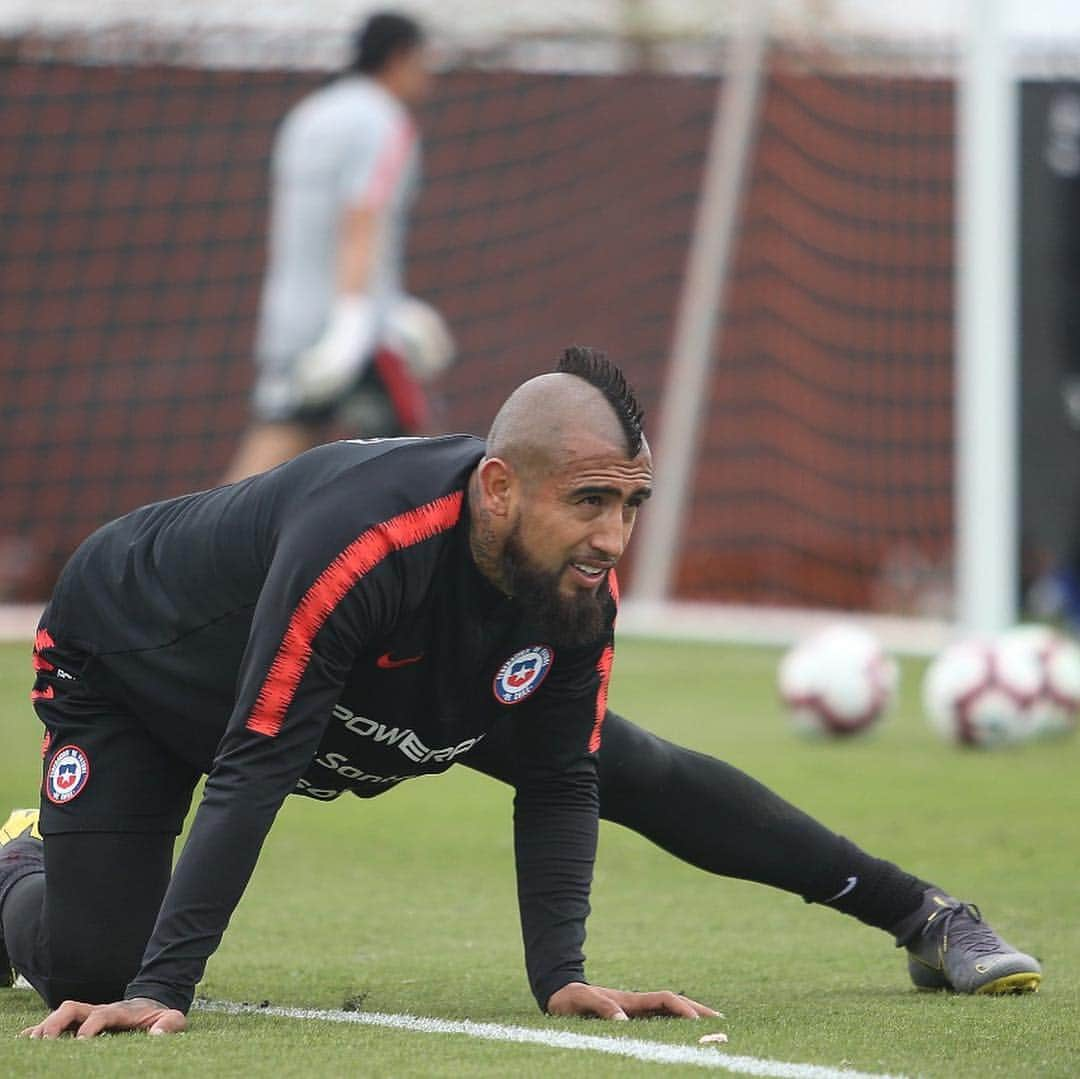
(636, 1048)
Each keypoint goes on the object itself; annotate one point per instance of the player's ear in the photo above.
(497, 485)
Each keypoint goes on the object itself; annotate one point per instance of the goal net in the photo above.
(824, 474)
(562, 181)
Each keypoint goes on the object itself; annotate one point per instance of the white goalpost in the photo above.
(987, 370)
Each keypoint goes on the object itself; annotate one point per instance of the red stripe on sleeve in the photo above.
(613, 587)
(390, 165)
(42, 640)
(603, 666)
(331, 587)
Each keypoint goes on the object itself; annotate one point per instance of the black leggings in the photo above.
(719, 819)
(83, 937)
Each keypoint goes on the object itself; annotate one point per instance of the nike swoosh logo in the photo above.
(388, 663)
(849, 887)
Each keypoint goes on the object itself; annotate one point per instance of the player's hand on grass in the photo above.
(577, 998)
(89, 1020)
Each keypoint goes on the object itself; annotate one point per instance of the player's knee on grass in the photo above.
(102, 898)
(74, 967)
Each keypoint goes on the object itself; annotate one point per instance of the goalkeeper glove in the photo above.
(332, 364)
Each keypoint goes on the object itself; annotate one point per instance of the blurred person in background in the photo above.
(338, 341)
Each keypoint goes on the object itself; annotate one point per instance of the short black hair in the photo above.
(383, 36)
(595, 368)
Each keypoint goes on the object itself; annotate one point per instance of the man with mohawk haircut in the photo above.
(369, 612)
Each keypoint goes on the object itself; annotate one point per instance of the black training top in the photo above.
(321, 628)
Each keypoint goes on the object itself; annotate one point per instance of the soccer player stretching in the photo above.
(366, 613)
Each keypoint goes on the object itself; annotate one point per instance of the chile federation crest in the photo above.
(522, 674)
(67, 775)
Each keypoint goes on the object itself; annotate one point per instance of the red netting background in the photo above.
(555, 209)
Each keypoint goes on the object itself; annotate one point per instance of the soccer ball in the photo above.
(1022, 684)
(977, 694)
(1056, 707)
(838, 681)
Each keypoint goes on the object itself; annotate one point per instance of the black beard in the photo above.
(564, 622)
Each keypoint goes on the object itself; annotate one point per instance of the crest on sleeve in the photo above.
(522, 673)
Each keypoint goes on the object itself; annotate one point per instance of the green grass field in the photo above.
(405, 904)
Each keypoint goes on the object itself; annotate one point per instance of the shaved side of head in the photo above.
(544, 418)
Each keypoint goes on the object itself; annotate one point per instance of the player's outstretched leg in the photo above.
(951, 947)
(720, 819)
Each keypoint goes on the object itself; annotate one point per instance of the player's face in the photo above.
(412, 75)
(572, 527)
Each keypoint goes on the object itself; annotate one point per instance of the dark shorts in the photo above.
(386, 401)
(102, 771)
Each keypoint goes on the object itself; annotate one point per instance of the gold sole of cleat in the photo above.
(1027, 982)
(17, 824)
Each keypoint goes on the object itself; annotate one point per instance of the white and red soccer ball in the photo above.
(838, 681)
(1022, 684)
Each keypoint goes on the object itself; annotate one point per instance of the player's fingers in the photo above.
(169, 1022)
(70, 1013)
(703, 1010)
(668, 1003)
(103, 1017)
(661, 1003)
(577, 998)
(604, 1007)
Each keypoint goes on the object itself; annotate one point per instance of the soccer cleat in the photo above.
(20, 855)
(21, 822)
(951, 947)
